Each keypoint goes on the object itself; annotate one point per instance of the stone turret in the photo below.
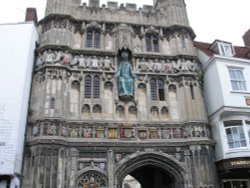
(66, 7)
(175, 10)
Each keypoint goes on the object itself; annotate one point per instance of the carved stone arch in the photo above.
(97, 108)
(132, 109)
(109, 85)
(172, 88)
(164, 110)
(142, 85)
(94, 25)
(154, 110)
(91, 177)
(86, 108)
(120, 109)
(75, 84)
(176, 169)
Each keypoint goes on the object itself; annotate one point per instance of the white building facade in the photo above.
(227, 95)
(17, 46)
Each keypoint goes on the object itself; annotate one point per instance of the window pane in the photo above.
(89, 39)
(156, 44)
(235, 134)
(161, 90)
(153, 89)
(237, 79)
(96, 89)
(148, 44)
(88, 87)
(97, 39)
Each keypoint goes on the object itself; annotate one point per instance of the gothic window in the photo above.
(92, 87)
(97, 108)
(96, 87)
(192, 91)
(161, 90)
(52, 103)
(152, 43)
(153, 89)
(157, 89)
(93, 39)
(88, 81)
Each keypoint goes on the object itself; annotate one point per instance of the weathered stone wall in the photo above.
(82, 134)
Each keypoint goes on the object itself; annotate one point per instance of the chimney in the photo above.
(246, 38)
(31, 15)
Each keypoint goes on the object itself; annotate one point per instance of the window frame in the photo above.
(92, 39)
(237, 129)
(237, 79)
(157, 89)
(152, 42)
(92, 87)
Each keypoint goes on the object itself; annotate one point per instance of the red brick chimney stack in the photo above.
(31, 15)
(246, 38)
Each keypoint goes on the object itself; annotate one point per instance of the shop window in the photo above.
(235, 184)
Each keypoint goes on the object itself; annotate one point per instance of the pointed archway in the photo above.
(153, 170)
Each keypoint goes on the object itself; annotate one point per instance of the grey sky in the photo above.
(211, 19)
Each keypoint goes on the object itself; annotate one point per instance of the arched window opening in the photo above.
(154, 110)
(164, 110)
(132, 110)
(88, 81)
(89, 39)
(96, 87)
(97, 108)
(157, 90)
(97, 39)
(161, 90)
(120, 109)
(93, 39)
(86, 108)
(192, 91)
(52, 103)
(153, 89)
(152, 43)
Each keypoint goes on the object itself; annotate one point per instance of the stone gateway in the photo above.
(117, 93)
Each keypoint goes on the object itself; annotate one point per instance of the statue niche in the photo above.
(125, 76)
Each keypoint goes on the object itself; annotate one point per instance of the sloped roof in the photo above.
(240, 51)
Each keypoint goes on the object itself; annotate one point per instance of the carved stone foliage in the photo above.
(120, 131)
(92, 164)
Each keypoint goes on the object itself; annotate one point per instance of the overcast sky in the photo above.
(211, 19)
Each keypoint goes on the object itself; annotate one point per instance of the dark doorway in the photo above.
(152, 177)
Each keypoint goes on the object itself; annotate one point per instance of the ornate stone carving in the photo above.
(125, 77)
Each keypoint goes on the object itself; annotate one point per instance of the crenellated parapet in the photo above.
(169, 15)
